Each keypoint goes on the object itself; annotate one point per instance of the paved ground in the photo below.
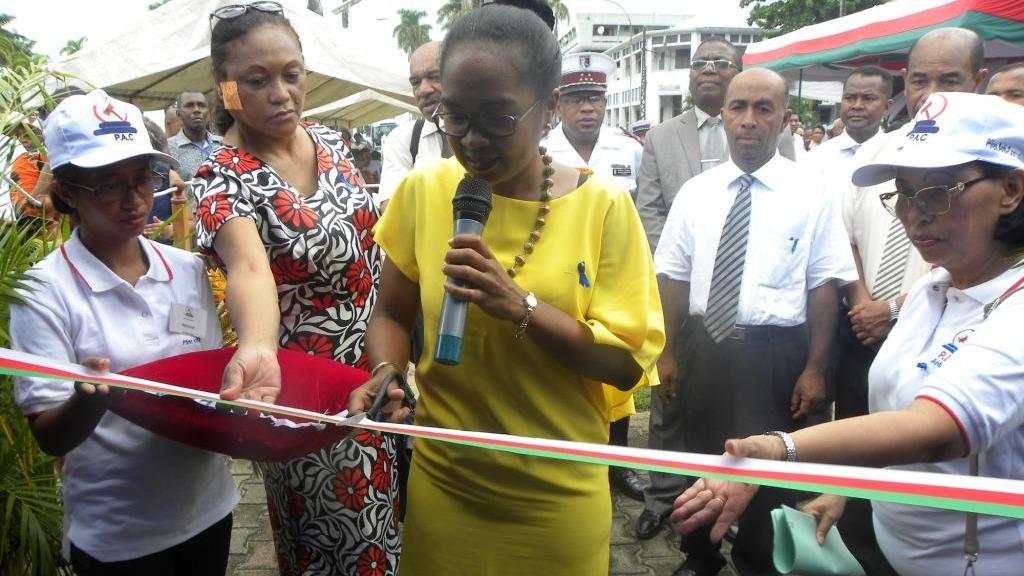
(252, 545)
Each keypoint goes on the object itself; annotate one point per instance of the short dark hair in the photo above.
(227, 31)
(532, 47)
(177, 99)
(64, 176)
(737, 54)
(1010, 68)
(876, 72)
(539, 7)
(1009, 227)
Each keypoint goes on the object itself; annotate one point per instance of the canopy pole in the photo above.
(799, 93)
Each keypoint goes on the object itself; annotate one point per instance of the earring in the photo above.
(547, 126)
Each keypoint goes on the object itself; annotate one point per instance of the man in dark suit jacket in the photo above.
(675, 151)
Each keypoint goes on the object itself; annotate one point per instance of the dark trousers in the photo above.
(205, 554)
(737, 388)
(856, 526)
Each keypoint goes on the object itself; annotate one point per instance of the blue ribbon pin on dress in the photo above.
(582, 269)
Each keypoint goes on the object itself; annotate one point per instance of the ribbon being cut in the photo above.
(293, 430)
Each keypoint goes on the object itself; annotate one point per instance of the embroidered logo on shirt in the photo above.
(948, 349)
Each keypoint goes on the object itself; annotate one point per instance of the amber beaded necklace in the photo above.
(538, 224)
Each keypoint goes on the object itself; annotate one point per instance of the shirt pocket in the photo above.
(786, 256)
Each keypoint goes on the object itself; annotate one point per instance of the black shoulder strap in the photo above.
(414, 144)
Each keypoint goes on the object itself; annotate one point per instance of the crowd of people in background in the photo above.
(790, 289)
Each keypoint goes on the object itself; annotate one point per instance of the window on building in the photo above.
(673, 39)
(658, 41)
(682, 58)
(603, 30)
(745, 39)
(661, 60)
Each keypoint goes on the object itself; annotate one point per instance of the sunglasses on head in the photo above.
(232, 11)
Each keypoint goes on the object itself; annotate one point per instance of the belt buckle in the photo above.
(738, 333)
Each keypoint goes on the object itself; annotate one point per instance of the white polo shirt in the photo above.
(942, 350)
(615, 156)
(796, 240)
(127, 492)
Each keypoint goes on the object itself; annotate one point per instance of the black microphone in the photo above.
(470, 207)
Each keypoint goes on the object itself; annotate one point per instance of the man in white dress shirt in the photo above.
(415, 143)
(581, 139)
(749, 324)
(675, 151)
(867, 95)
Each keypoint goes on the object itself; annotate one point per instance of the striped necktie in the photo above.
(893, 265)
(724, 297)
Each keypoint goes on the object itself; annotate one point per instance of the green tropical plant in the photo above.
(30, 500)
(15, 49)
(452, 10)
(72, 46)
(410, 33)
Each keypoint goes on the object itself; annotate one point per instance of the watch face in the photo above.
(531, 300)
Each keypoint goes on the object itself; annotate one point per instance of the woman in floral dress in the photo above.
(280, 207)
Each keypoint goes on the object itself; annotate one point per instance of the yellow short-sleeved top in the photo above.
(513, 386)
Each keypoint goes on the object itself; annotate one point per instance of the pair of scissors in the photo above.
(375, 411)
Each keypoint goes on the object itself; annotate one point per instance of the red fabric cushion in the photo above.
(307, 382)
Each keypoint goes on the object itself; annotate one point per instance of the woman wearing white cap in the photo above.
(134, 502)
(947, 383)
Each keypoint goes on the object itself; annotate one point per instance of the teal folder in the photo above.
(796, 549)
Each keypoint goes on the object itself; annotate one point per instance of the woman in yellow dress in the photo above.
(562, 298)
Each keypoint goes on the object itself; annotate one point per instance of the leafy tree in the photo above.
(30, 498)
(452, 10)
(15, 49)
(410, 33)
(157, 4)
(72, 46)
(781, 16)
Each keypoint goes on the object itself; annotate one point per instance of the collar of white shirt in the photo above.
(703, 117)
(776, 173)
(983, 293)
(98, 277)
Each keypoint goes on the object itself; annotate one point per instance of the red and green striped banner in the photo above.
(995, 496)
(887, 28)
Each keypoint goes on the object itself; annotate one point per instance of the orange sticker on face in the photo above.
(229, 94)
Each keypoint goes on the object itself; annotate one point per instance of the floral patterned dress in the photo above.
(333, 511)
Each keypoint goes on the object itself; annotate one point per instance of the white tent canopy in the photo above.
(169, 52)
(360, 109)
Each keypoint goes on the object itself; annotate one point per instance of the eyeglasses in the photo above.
(116, 191)
(457, 124)
(715, 65)
(596, 100)
(930, 200)
(235, 10)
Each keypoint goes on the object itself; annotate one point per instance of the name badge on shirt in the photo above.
(622, 170)
(188, 320)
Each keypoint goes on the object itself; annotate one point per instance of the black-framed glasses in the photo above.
(116, 191)
(714, 65)
(930, 200)
(576, 100)
(457, 124)
(236, 10)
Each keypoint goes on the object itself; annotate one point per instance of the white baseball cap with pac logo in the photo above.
(951, 129)
(93, 130)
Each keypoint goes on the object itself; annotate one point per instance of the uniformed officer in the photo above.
(582, 139)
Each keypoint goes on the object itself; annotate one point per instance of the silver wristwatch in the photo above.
(787, 441)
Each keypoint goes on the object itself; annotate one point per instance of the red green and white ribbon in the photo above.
(993, 496)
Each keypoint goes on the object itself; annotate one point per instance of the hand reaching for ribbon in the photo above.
(722, 502)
